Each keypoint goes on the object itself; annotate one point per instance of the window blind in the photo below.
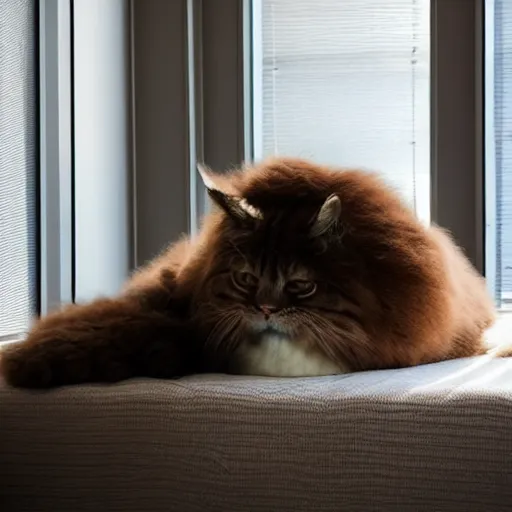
(347, 83)
(18, 166)
(503, 149)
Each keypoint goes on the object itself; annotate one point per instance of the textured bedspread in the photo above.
(433, 438)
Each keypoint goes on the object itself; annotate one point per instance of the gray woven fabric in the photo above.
(432, 438)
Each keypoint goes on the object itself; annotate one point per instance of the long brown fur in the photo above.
(405, 294)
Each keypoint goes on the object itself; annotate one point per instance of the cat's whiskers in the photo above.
(339, 343)
(225, 329)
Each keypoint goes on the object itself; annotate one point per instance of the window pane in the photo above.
(498, 150)
(17, 166)
(346, 83)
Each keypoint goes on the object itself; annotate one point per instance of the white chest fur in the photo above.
(274, 356)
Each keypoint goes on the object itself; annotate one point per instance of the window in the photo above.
(346, 83)
(388, 86)
(18, 168)
(498, 164)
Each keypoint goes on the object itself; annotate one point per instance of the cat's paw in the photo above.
(22, 365)
(504, 350)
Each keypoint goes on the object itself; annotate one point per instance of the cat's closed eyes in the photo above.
(302, 270)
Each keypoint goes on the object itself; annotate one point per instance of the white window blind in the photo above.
(499, 149)
(347, 83)
(18, 146)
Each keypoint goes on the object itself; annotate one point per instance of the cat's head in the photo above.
(301, 267)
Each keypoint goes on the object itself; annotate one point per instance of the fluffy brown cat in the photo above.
(302, 270)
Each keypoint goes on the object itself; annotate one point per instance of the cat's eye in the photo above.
(301, 288)
(245, 279)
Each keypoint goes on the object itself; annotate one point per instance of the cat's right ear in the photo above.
(236, 207)
(327, 217)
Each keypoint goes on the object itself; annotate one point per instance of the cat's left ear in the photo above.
(235, 206)
(327, 217)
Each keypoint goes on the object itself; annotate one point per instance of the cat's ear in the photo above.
(327, 217)
(235, 206)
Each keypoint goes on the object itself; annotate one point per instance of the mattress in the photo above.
(432, 438)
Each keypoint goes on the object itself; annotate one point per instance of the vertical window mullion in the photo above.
(457, 125)
(56, 213)
(223, 83)
(161, 133)
(491, 239)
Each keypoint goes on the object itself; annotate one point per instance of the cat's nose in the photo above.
(268, 309)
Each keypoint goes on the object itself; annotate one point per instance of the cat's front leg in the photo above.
(104, 341)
